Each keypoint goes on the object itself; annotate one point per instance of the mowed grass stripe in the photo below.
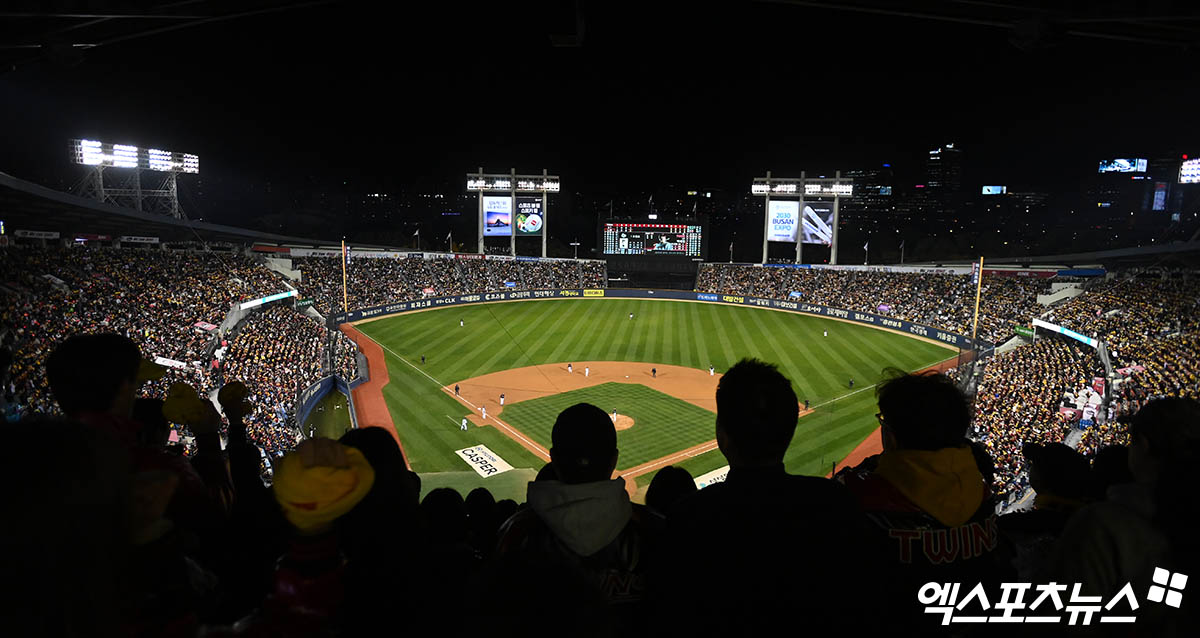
(663, 424)
(689, 334)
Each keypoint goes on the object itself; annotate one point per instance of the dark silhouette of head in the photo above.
(156, 431)
(1166, 435)
(380, 449)
(922, 412)
(94, 373)
(756, 414)
(584, 444)
(1110, 466)
(446, 514)
(1057, 469)
(669, 486)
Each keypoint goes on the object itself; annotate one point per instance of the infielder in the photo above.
(483, 410)
(569, 368)
(614, 416)
(711, 372)
(587, 371)
(501, 398)
(464, 424)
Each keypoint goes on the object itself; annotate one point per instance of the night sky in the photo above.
(669, 95)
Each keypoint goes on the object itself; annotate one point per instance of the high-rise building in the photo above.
(873, 205)
(943, 181)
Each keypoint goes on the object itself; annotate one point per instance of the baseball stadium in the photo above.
(308, 400)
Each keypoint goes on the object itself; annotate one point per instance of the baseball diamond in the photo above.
(523, 348)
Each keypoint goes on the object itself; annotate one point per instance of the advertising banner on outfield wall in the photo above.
(898, 325)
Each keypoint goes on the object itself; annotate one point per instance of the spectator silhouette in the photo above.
(580, 533)
(925, 488)
(669, 486)
(778, 546)
(68, 550)
(1062, 480)
(94, 378)
(315, 485)
(1144, 524)
(1110, 466)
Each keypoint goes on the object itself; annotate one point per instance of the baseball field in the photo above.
(652, 371)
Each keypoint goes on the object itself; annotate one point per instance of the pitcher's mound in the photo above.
(623, 422)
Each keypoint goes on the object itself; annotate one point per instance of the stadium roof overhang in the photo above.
(28, 206)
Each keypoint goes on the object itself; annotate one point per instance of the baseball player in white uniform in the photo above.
(569, 368)
(614, 416)
(826, 333)
(483, 410)
(460, 323)
(464, 424)
(711, 372)
(587, 371)
(501, 398)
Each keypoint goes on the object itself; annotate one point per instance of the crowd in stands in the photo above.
(938, 300)
(153, 296)
(1018, 401)
(343, 356)
(114, 534)
(1151, 326)
(377, 281)
(275, 352)
(156, 297)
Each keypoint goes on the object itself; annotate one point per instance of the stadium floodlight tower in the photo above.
(512, 215)
(126, 189)
(791, 220)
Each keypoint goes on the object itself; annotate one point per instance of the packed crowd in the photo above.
(1151, 326)
(153, 296)
(374, 282)
(156, 297)
(115, 535)
(343, 356)
(275, 352)
(942, 301)
(1018, 403)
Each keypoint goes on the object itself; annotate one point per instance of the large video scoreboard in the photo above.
(652, 239)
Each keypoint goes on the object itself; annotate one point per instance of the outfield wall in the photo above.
(307, 399)
(962, 342)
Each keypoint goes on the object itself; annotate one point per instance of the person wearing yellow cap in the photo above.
(319, 482)
(314, 485)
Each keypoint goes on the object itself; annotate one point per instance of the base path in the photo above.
(369, 407)
(697, 387)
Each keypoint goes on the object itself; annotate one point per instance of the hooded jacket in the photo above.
(589, 528)
(935, 510)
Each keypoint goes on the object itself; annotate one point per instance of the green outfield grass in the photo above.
(508, 335)
(662, 423)
(334, 420)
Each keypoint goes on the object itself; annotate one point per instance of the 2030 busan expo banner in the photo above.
(898, 325)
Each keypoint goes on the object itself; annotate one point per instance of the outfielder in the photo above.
(464, 424)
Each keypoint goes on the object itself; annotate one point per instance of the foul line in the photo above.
(513, 432)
